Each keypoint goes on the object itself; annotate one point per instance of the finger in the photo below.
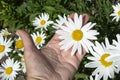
(81, 56)
(27, 40)
(85, 20)
(53, 43)
(84, 16)
(72, 16)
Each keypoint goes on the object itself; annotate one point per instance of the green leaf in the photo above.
(49, 8)
(79, 76)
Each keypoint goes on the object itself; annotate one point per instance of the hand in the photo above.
(50, 63)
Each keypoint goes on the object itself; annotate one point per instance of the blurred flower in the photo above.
(19, 44)
(116, 12)
(60, 21)
(5, 32)
(39, 39)
(23, 68)
(5, 46)
(99, 61)
(42, 21)
(9, 69)
(74, 35)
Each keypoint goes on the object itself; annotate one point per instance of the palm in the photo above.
(72, 60)
(65, 62)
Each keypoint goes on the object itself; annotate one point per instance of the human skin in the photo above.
(50, 63)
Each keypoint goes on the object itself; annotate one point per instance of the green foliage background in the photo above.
(19, 14)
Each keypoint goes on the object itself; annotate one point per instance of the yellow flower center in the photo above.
(104, 62)
(119, 13)
(2, 48)
(9, 70)
(77, 35)
(38, 39)
(42, 22)
(19, 44)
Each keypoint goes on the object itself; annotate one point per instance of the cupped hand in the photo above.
(50, 63)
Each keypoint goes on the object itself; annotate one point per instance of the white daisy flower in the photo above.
(74, 35)
(5, 46)
(39, 39)
(9, 69)
(60, 21)
(5, 32)
(99, 61)
(116, 57)
(19, 44)
(42, 21)
(116, 12)
(96, 77)
(23, 68)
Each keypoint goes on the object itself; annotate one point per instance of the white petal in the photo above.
(74, 48)
(91, 65)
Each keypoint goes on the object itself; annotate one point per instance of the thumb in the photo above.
(27, 40)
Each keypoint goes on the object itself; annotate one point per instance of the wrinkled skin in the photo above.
(50, 63)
